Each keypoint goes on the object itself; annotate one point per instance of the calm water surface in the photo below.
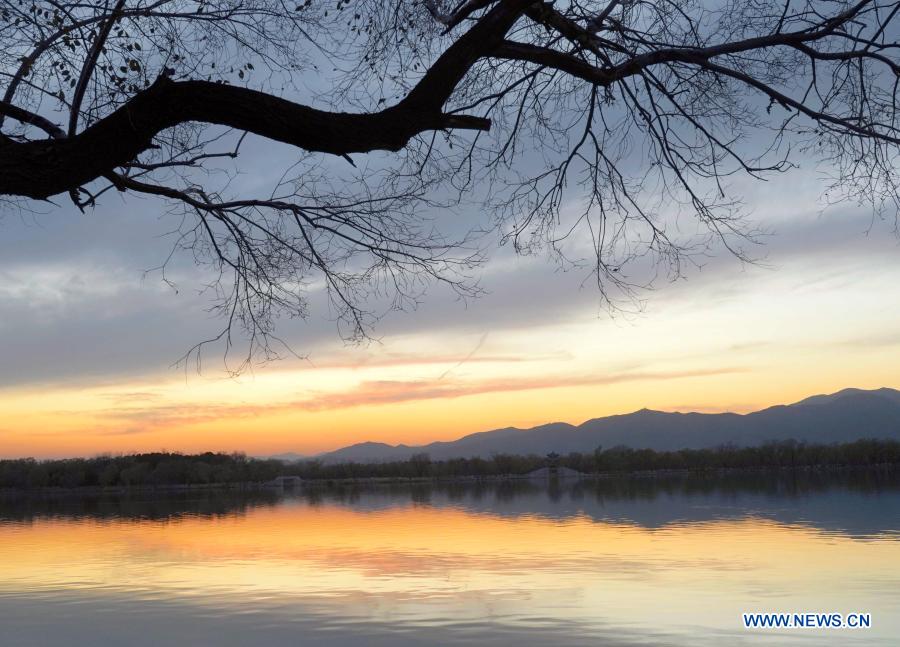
(661, 562)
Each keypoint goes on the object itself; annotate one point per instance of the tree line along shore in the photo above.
(161, 469)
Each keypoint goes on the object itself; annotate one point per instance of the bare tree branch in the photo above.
(592, 130)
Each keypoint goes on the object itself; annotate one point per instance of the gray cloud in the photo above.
(74, 304)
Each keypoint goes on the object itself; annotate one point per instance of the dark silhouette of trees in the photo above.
(609, 117)
(140, 470)
(162, 469)
(783, 454)
(420, 464)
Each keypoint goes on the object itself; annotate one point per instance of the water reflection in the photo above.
(613, 561)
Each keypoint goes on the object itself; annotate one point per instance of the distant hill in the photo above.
(844, 416)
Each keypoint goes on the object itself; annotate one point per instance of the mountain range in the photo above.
(844, 416)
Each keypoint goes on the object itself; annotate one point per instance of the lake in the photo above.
(656, 561)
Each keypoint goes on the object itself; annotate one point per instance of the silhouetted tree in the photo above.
(420, 464)
(159, 469)
(637, 111)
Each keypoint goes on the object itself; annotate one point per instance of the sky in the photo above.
(90, 341)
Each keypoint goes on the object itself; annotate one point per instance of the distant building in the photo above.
(286, 481)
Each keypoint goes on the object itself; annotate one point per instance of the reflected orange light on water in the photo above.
(414, 555)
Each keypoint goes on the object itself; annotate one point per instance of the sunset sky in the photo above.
(89, 341)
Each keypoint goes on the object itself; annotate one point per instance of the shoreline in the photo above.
(250, 486)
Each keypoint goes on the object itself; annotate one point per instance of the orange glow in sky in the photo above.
(418, 389)
(821, 316)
